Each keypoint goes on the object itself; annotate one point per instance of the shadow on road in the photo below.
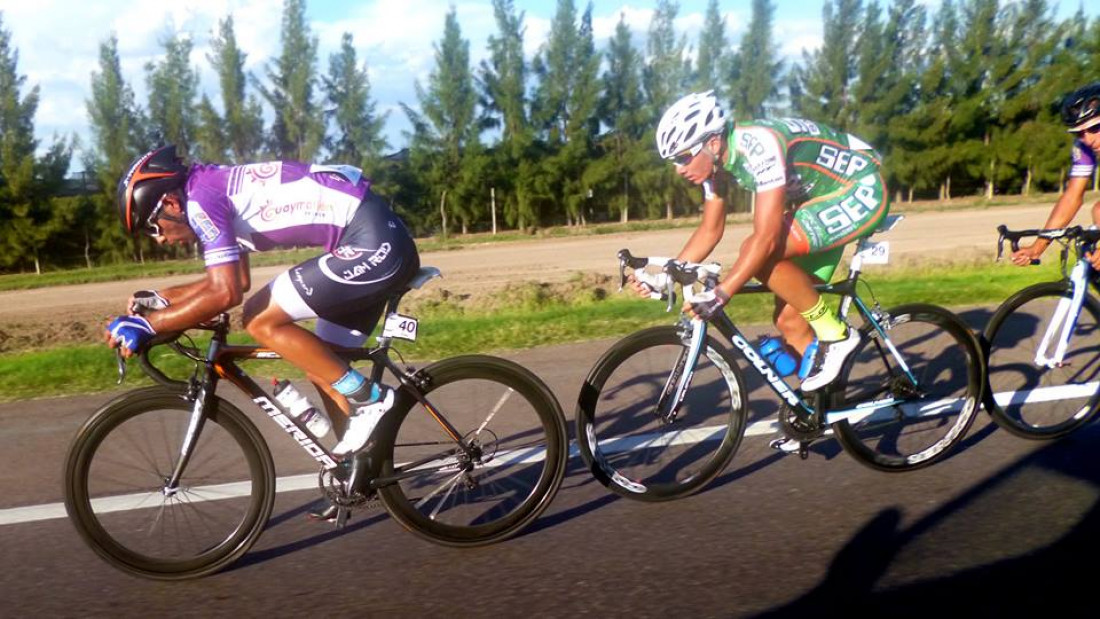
(1036, 579)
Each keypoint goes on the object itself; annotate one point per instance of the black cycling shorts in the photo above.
(349, 286)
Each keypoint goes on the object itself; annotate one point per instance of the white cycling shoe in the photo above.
(829, 359)
(363, 422)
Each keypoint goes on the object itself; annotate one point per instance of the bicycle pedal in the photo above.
(342, 515)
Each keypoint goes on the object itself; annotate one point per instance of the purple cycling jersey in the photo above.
(1083, 160)
(261, 206)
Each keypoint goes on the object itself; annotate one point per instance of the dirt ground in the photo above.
(477, 274)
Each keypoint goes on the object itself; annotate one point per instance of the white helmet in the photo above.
(689, 122)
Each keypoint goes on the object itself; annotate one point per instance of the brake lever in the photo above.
(121, 361)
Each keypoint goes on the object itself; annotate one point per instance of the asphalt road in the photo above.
(999, 528)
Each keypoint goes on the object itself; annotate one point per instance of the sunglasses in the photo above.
(152, 228)
(1093, 130)
(687, 156)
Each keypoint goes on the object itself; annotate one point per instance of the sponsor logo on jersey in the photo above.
(849, 213)
(306, 211)
(263, 171)
(347, 252)
(206, 229)
(799, 125)
(763, 158)
(841, 161)
(298, 277)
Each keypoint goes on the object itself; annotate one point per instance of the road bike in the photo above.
(664, 410)
(1043, 344)
(173, 481)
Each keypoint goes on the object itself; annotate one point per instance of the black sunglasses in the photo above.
(152, 228)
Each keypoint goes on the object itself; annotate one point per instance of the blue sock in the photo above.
(354, 386)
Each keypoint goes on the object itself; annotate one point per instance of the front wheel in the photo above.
(1026, 396)
(118, 499)
(907, 409)
(630, 446)
(513, 464)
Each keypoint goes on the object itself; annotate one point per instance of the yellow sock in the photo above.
(824, 322)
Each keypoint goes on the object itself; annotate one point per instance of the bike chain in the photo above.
(798, 428)
(336, 492)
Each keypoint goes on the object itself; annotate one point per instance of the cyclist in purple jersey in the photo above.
(235, 210)
(1081, 115)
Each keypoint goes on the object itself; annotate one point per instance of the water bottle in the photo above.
(773, 349)
(808, 360)
(300, 408)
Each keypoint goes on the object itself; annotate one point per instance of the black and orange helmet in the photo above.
(145, 182)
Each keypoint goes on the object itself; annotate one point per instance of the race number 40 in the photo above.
(401, 327)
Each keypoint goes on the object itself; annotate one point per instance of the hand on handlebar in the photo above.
(129, 334)
(1094, 259)
(1026, 256)
(707, 304)
(649, 285)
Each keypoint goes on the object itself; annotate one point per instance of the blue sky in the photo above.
(58, 40)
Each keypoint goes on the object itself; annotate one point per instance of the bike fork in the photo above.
(1063, 321)
(672, 396)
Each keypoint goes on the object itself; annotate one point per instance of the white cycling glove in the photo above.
(144, 301)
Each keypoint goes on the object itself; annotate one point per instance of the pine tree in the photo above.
(298, 130)
(503, 79)
(173, 86)
(242, 125)
(825, 75)
(445, 131)
(664, 79)
(565, 107)
(620, 110)
(756, 66)
(358, 139)
(117, 138)
(714, 54)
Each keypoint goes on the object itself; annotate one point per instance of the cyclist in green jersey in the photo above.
(817, 189)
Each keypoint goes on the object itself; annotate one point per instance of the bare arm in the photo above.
(183, 292)
(222, 288)
(762, 244)
(1060, 216)
(706, 237)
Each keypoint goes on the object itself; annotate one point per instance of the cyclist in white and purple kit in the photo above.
(235, 210)
(1081, 116)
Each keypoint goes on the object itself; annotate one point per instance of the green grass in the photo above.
(531, 317)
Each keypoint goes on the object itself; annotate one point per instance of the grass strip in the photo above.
(530, 323)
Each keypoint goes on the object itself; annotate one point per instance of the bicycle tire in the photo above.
(1029, 405)
(945, 358)
(524, 452)
(114, 485)
(636, 455)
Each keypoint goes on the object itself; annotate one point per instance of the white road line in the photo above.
(53, 511)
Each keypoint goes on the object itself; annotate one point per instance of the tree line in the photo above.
(961, 100)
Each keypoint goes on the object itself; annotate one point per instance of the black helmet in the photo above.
(148, 178)
(1081, 106)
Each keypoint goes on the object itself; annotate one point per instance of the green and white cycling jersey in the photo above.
(833, 182)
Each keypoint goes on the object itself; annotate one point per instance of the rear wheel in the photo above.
(936, 384)
(513, 467)
(117, 498)
(627, 444)
(1039, 400)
